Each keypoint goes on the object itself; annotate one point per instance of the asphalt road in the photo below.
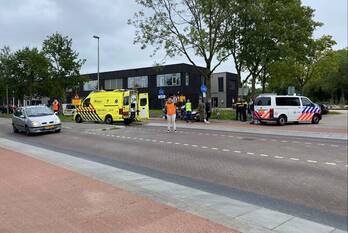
(300, 176)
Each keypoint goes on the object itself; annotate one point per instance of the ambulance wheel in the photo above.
(108, 120)
(78, 119)
(315, 119)
(282, 120)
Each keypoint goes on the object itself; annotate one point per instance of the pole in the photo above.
(8, 110)
(98, 66)
(13, 99)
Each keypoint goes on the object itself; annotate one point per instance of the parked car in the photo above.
(35, 119)
(69, 109)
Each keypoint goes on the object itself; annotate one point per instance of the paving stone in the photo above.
(298, 225)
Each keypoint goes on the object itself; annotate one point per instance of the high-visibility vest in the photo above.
(188, 107)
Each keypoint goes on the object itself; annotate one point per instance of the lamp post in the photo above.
(97, 37)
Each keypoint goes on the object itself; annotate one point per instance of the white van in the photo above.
(286, 108)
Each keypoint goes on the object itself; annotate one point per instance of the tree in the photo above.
(64, 65)
(263, 32)
(5, 72)
(183, 28)
(28, 71)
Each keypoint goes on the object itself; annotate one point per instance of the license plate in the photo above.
(49, 127)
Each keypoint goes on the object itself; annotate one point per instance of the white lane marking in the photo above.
(214, 148)
(148, 140)
(112, 135)
(308, 143)
(169, 142)
(311, 161)
(237, 151)
(154, 140)
(207, 134)
(347, 165)
(118, 136)
(204, 147)
(186, 144)
(295, 159)
(328, 163)
(214, 134)
(129, 137)
(231, 136)
(321, 144)
(239, 137)
(141, 139)
(334, 145)
(135, 138)
(250, 153)
(194, 145)
(177, 143)
(284, 141)
(264, 155)
(278, 157)
(295, 142)
(263, 139)
(161, 141)
(226, 150)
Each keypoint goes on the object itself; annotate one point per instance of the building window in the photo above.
(187, 79)
(138, 82)
(166, 80)
(90, 85)
(111, 84)
(221, 84)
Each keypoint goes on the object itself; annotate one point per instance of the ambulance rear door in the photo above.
(143, 106)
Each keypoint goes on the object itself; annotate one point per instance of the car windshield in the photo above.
(38, 111)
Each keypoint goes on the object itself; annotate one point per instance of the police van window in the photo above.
(143, 102)
(126, 100)
(306, 102)
(263, 101)
(86, 102)
(287, 101)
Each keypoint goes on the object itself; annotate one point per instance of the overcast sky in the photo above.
(29, 22)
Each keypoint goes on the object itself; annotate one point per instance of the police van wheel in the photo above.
(315, 119)
(78, 119)
(108, 120)
(282, 120)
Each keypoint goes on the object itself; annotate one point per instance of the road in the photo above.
(303, 177)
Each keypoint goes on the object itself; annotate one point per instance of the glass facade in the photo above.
(167, 80)
(138, 82)
(111, 84)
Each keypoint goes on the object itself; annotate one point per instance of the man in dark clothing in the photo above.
(207, 111)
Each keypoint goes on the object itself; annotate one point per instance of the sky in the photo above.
(29, 22)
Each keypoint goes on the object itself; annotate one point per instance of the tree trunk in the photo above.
(253, 86)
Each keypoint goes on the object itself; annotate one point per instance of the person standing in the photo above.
(207, 112)
(201, 110)
(171, 114)
(55, 106)
(188, 109)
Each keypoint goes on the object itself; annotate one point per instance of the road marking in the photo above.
(214, 148)
(240, 138)
(186, 144)
(177, 143)
(147, 140)
(283, 141)
(154, 140)
(135, 138)
(226, 150)
(321, 144)
(118, 136)
(250, 153)
(264, 155)
(295, 159)
(328, 163)
(129, 137)
(204, 147)
(273, 140)
(278, 157)
(295, 142)
(169, 142)
(161, 141)
(237, 151)
(334, 145)
(308, 143)
(263, 139)
(194, 145)
(214, 134)
(312, 161)
(231, 136)
(141, 139)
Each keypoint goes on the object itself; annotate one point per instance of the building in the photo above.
(176, 79)
(223, 89)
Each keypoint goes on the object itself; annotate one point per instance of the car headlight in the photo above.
(35, 123)
(57, 120)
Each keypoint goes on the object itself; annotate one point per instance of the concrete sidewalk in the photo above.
(296, 130)
(100, 205)
(39, 197)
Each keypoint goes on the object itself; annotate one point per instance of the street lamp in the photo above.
(97, 37)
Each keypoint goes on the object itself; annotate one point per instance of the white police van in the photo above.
(285, 108)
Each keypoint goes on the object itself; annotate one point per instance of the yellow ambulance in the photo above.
(113, 106)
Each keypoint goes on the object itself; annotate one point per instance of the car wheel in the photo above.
(58, 131)
(27, 131)
(282, 120)
(315, 119)
(15, 130)
(108, 120)
(78, 119)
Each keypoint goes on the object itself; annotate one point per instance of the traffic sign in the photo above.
(203, 88)
(161, 91)
(161, 96)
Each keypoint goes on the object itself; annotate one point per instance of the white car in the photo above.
(285, 108)
(69, 109)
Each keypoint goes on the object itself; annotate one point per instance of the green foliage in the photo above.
(64, 65)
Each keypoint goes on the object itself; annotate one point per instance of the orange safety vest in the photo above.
(55, 107)
(171, 109)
